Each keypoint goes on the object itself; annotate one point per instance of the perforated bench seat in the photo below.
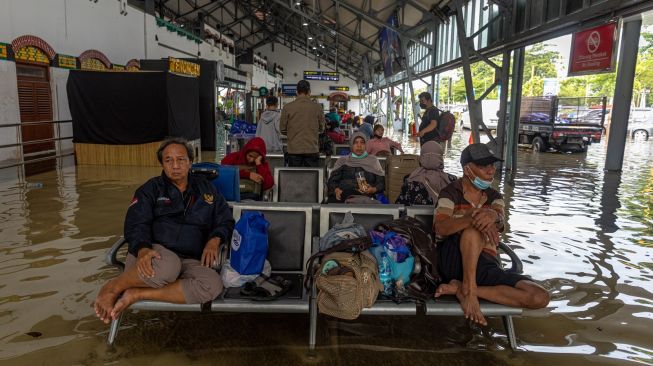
(292, 239)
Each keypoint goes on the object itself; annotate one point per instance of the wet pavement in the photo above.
(585, 235)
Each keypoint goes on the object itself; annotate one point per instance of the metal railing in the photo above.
(20, 143)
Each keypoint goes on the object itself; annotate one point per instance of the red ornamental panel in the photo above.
(593, 50)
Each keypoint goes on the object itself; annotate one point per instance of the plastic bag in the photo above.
(249, 243)
(231, 278)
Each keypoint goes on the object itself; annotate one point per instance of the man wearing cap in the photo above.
(468, 218)
(302, 121)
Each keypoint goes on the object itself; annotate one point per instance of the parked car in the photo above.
(490, 115)
(640, 129)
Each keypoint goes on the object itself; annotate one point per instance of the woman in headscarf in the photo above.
(423, 185)
(356, 174)
(381, 146)
(252, 161)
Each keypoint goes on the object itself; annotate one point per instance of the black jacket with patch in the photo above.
(160, 214)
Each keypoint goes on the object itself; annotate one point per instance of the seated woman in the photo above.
(423, 185)
(335, 134)
(356, 174)
(379, 145)
(252, 155)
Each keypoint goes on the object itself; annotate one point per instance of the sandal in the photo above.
(266, 289)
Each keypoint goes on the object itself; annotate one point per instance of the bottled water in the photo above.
(385, 274)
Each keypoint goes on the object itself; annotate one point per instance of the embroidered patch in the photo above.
(166, 200)
(133, 202)
(208, 198)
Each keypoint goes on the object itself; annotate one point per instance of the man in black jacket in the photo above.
(175, 225)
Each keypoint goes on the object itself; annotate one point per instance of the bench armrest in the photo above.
(111, 258)
(516, 264)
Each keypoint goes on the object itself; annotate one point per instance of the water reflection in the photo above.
(585, 234)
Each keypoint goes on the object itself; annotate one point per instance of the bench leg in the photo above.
(312, 313)
(510, 331)
(113, 330)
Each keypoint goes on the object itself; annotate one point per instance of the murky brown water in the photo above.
(587, 235)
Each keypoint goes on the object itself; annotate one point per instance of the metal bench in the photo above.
(369, 216)
(290, 237)
(449, 305)
(302, 185)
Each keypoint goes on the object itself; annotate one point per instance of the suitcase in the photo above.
(397, 167)
(227, 180)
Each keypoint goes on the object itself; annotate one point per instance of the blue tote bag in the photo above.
(249, 243)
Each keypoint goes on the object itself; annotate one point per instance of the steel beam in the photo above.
(623, 94)
(515, 102)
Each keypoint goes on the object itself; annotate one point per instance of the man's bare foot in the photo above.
(128, 297)
(105, 301)
(471, 307)
(448, 288)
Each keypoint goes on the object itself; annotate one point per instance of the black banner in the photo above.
(122, 108)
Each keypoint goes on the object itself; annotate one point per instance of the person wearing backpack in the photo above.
(428, 128)
(436, 125)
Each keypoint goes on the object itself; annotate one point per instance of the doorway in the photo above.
(35, 102)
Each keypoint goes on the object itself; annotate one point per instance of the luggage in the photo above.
(398, 166)
(226, 180)
(248, 185)
(446, 126)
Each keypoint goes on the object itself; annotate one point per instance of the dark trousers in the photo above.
(303, 160)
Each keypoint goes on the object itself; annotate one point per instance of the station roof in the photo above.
(341, 32)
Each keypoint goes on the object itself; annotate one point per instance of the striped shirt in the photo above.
(452, 203)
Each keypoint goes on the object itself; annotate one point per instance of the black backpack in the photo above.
(326, 145)
(426, 278)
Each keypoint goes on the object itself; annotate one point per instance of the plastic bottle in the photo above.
(35, 185)
(385, 274)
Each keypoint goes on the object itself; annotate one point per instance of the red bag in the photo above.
(446, 126)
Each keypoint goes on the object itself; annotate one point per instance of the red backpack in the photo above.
(446, 126)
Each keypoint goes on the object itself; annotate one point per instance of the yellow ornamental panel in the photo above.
(67, 62)
(93, 64)
(32, 54)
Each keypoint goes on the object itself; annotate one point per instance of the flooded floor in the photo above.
(586, 235)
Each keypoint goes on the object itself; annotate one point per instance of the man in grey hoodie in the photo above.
(268, 126)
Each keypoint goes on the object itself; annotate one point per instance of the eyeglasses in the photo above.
(180, 161)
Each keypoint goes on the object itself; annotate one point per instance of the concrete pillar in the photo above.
(623, 94)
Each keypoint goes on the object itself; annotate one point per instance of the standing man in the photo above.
(302, 120)
(268, 126)
(428, 128)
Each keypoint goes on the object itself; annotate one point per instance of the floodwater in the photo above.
(585, 235)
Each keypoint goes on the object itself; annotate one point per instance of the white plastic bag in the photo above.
(231, 278)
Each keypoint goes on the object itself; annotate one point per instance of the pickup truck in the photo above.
(563, 124)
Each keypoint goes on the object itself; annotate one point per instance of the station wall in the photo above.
(295, 64)
(72, 27)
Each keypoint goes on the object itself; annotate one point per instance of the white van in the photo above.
(490, 112)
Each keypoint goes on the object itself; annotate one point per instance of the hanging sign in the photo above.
(339, 88)
(262, 91)
(593, 50)
(183, 67)
(321, 75)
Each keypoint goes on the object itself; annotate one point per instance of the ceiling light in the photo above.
(305, 24)
(309, 38)
(298, 3)
(314, 47)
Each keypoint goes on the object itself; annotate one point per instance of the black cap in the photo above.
(478, 154)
